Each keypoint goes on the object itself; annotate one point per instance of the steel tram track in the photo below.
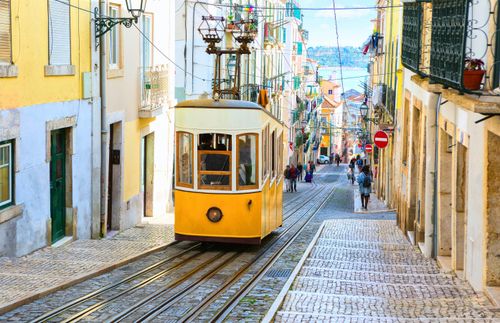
(249, 284)
(191, 286)
(64, 308)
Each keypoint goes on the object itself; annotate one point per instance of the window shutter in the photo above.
(5, 40)
(59, 33)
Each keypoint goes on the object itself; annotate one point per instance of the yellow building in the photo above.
(331, 116)
(48, 132)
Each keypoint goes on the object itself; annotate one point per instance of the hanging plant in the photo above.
(473, 73)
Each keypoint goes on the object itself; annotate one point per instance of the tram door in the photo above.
(147, 171)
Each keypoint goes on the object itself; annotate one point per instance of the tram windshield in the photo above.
(214, 152)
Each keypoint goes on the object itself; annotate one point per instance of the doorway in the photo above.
(459, 209)
(147, 173)
(58, 184)
(114, 177)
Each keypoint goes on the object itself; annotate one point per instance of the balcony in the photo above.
(154, 91)
(439, 37)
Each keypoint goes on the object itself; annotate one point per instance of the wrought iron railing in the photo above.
(412, 36)
(448, 41)
(154, 87)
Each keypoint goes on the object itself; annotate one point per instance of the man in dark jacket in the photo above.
(293, 178)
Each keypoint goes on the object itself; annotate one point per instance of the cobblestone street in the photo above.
(366, 271)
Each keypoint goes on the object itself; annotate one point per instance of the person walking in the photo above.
(300, 168)
(308, 177)
(293, 178)
(365, 186)
(359, 162)
(337, 159)
(286, 173)
(352, 166)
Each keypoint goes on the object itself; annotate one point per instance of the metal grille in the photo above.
(449, 32)
(412, 33)
(154, 87)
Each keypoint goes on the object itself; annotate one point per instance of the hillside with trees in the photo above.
(328, 56)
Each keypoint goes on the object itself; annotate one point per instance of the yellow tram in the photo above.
(229, 171)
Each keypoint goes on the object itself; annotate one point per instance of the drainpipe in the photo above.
(432, 249)
(104, 126)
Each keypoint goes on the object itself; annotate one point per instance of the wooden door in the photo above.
(58, 183)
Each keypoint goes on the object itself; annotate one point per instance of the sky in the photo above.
(354, 25)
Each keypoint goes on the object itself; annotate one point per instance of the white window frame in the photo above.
(114, 34)
(145, 42)
(50, 43)
(10, 201)
(9, 62)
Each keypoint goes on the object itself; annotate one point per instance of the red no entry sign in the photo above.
(368, 148)
(381, 139)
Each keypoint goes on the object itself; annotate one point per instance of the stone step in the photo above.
(373, 267)
(347, 287)
(350, 244)
(301, 302)
(386, 257)
(283, 316)
(376, 277)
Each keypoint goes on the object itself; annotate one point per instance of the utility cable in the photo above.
(222, 5)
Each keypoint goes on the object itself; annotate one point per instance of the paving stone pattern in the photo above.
(32, 275)
(366, 271)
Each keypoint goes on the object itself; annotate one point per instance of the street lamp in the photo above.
(363, 109)
(103, 24)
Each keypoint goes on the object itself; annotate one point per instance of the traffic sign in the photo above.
(381, 139)
(360, 144)
(368, 148)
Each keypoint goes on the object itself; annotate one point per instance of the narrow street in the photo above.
(341, 267)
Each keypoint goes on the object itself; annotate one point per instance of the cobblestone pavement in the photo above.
(49, 269)
(366, 271)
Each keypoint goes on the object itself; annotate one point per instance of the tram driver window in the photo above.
(214, 151)
(247, 161)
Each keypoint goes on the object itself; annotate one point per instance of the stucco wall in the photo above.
(32, 187)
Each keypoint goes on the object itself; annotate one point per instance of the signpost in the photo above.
(381, 139)
(368, 148)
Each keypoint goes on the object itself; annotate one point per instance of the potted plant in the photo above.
(473, 73)
(230, 23)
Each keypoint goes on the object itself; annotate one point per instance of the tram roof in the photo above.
(223, 104)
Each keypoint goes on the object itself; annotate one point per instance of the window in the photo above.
(265, 151)
(273, 154)
(214, 161)
(147, 29)
(5, 36)
(184, 159)
(280, 155)
(59, 33)
(330, 92)
(114, 39)
(6, 174)
(247, 161)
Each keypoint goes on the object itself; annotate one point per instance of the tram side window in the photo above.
(280, 155)
(185, 159)
(273, 154)
(214, 167)
(247, 161)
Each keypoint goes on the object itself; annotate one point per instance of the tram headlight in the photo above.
(214, 214)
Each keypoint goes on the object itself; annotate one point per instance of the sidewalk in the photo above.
(27, 278)
(366, 271)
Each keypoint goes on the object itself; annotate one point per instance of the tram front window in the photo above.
(247, 161)
(214, 151)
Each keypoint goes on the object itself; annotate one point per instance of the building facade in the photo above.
(49, 142)
(446, 134)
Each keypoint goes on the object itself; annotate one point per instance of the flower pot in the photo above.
(472, 79)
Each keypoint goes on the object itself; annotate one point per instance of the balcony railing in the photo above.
(448, 41)
(154, 87)
(412, 35)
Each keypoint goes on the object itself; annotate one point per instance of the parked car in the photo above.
(323, 159)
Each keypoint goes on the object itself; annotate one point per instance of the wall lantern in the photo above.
(103, 24)
(363, 109)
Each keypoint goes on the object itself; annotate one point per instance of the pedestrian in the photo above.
(300, 168)
(286, 173)
(293, 178)
(337, 159)
(331, 158)
(313, 167)
(308, 177)
(365, 186)
(352, 166)
(359, 162)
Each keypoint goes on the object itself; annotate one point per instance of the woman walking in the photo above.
(365, 186)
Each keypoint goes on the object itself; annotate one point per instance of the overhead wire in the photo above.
(223, 5)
